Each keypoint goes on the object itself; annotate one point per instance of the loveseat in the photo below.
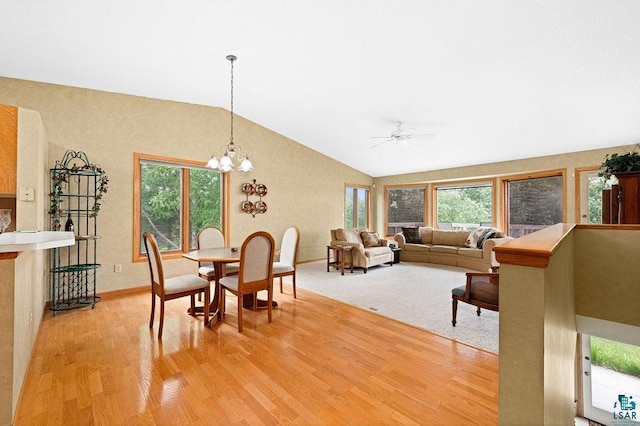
(368, 248)
(464, 249)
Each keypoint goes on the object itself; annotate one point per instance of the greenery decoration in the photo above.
(620, 163)
(60, 178)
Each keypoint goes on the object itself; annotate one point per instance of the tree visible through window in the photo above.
(170, 192)
(356, 207)
(465, 206)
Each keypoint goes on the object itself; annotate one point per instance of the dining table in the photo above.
(219, 256)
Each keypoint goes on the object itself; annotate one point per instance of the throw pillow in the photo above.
(412, 235)
(370, 239)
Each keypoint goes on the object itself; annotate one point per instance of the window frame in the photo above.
(355, 188)
(460, 184)
(138, 159)
(504, 181)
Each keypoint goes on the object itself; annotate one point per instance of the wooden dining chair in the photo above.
(171, 288)
(481, 291)
(255, 274)
(209, 237)
(286, 265)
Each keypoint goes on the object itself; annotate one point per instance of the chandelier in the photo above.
(230, 152)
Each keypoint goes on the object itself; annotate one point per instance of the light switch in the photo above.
(26, 193)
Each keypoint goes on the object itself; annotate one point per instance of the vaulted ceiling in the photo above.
(493, 79)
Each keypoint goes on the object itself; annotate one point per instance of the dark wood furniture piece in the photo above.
(171, 288)
(396, 254)
(339, 257)
(621, 204)
(481, 291)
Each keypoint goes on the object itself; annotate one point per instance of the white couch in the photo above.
(449, 248)
(362, 256)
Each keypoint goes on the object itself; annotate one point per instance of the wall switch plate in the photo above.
(26, 193)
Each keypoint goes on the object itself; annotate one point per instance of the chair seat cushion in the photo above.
(184, 283)
(282, 268)
(376, 251)
(459, 291)
(208, 271)
(232, 268)
(230, 282)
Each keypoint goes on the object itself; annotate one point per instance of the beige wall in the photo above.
(23, 279)
(608, 275)
(306, 189)
(592, 272)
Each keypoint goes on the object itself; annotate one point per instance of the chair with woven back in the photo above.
(171, 288)
(481, 291)
(255, 274)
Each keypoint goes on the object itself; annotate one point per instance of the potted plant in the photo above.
(615, 164)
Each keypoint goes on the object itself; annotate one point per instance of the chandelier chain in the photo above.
(231, 60)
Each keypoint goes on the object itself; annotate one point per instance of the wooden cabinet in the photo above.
(621, 204)
(8, 149)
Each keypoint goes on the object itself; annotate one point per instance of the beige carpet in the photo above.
(414, 293)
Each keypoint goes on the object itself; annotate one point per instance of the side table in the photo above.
(339, 257)
(396, 254)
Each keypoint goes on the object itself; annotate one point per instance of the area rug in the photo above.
(414, 293)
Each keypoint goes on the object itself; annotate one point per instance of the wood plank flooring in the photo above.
(320, 362)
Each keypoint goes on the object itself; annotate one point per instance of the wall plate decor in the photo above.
(254, 207)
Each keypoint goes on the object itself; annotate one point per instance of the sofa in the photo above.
(368, 248)
(463, 249)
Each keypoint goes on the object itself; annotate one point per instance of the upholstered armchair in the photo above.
(368, 248)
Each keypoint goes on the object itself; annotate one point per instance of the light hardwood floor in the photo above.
(319, 362)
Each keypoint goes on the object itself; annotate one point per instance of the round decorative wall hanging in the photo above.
(256, 207)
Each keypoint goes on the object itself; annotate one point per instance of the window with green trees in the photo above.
(176, 201)
(465, 206)
(356, 207)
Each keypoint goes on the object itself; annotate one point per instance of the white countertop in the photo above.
(32, 240)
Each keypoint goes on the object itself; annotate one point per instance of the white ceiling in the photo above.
(495, 79)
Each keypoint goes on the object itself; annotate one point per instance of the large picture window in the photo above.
(405, 207)
(356, 207)
(464, 206)
(174, 200)
(534, 202)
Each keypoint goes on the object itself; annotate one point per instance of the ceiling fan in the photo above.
(400, 134)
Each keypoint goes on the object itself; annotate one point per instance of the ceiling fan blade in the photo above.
(379, 137)
(421, 135)
(375, 145)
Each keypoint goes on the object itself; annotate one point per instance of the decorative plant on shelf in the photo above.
(620, 163)
(60, 179)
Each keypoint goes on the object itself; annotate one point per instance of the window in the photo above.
(534, 202)
(356, 207)
(405, 207)
(464, 206)
(174, 200)
(610, 375)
